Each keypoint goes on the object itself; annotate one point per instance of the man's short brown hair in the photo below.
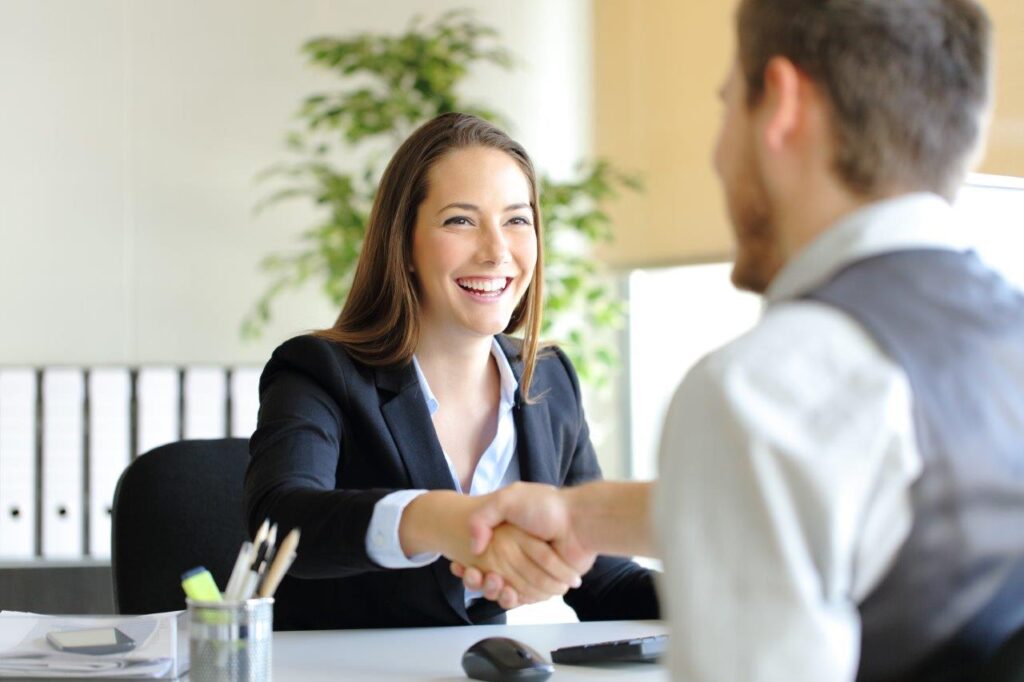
(908, 81)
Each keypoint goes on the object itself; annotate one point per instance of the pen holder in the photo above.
(230, 642)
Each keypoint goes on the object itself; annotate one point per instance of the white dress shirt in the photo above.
(786, 464)
(497, 468)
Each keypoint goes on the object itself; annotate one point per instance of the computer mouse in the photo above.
(496, 659)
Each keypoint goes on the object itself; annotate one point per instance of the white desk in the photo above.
(436, 653)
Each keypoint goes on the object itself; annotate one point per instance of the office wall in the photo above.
(658, 65)
(1005, 153)
(130, 137)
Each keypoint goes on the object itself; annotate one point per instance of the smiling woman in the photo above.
(379, 435)
(463, 167)
(474, 245)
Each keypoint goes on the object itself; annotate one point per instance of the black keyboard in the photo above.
(639, 650)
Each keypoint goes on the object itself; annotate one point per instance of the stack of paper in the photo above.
(161, 651)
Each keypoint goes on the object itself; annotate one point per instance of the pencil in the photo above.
(282, 562)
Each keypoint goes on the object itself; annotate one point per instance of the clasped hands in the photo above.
(523, 546)
(516, 545)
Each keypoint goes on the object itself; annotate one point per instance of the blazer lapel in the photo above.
(535, 445)
(405, 412)
(538, 461)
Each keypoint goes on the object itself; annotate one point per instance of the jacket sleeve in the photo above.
(616, 588)
(295, 453)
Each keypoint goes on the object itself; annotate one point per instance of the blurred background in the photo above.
(146, 152)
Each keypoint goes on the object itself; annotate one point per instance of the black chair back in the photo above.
(176, 507)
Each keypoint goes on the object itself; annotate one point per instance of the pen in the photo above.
(254, 548)
(199, 585)
(271, 543)
(238, 572)
(282, 562)
(252, 578)
(261, 535)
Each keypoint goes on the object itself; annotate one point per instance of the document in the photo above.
(63, 463)
(18, 461)
(245, 400)
(161, 651)
(109, 449)
(206, 396)
(158, 398)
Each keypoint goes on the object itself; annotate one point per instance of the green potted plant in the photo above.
(389, 85)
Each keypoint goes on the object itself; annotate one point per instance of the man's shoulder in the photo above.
(800, 349)
(794, 329)
(807, 381)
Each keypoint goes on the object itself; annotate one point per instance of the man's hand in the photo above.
(611, 517)
(530, 570)
(440, 521)
(542, 511)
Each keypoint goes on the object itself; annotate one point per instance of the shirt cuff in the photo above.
(382, 542)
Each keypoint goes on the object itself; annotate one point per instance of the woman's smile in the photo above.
(484, 289)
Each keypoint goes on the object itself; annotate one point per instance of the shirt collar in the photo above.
(912, 221)
(508, 381)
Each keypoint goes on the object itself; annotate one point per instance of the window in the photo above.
(991, 212)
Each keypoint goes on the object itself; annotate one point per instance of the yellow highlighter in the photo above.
(199, 586)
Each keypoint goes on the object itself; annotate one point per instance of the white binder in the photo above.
(109, 449)
(245, 400)
(157, 390)
(63, 481)
(206, 396)
(18, 463)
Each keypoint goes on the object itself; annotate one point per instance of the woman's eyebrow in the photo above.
(474, 207)
(464, 207)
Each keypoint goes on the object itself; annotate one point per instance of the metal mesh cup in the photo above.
(230, 642)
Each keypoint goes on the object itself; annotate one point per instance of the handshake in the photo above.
(529, 541)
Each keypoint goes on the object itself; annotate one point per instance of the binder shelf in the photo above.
(67, 433)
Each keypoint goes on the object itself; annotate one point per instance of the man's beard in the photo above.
(757, 246)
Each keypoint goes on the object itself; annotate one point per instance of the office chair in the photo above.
(176, 507)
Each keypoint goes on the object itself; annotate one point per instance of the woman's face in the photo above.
(474, 243)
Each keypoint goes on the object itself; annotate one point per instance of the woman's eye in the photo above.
(458, 220)
(520, 220)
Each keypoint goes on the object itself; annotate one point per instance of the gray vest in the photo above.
(956, 588)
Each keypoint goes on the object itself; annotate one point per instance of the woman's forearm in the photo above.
(434, 523)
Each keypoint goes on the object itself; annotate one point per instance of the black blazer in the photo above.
(335, 436)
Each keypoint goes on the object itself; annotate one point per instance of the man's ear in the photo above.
(782, 101)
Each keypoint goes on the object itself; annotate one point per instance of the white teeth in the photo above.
(484, 285)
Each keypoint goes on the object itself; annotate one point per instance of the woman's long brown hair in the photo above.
(379, 323)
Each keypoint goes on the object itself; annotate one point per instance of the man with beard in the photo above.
(842, 488)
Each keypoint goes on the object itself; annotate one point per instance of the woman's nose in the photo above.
(493, 245)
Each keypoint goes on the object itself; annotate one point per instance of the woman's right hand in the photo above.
(438, 521)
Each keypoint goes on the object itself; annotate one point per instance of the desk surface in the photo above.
(436, 653)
